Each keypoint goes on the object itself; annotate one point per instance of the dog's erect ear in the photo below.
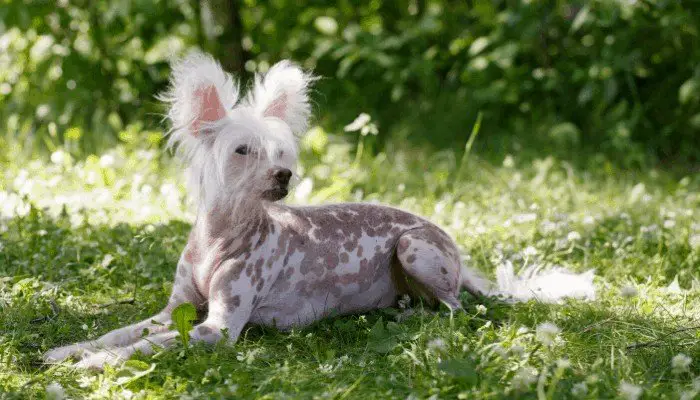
(283, 93)
(199, 95)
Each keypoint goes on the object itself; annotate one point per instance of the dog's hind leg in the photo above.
(431, 263)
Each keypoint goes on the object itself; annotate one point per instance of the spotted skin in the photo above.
(290, 266)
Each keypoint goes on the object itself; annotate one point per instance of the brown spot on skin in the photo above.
(344, 258)
(191, 256)
(182, 270)
(204, 330)
(233, 302)
(404, 242)
(411, 259)
(261, 283)
(359, 251)
(443, 270)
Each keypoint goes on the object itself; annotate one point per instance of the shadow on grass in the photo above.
(60, 287)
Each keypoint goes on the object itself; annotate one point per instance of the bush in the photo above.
(614, 76)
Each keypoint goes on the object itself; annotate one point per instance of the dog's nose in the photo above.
(283, 175)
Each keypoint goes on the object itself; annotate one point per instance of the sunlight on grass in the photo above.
(90, 245)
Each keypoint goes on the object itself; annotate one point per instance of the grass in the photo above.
(90, 246)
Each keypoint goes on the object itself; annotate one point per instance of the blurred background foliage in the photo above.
(616, 78)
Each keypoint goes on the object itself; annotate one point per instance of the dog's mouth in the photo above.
(275, 194)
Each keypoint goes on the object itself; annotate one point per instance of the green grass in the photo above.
(71, 272)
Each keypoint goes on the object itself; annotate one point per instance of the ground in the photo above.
(90, 245)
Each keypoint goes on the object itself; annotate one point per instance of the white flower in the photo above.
(688, 395)
(508, 162)
(580, 389)
(523, 218)
(573, 236)
(680, 363)
(694, 241)
(55, 391)
(106, 161)
(359, 122)
(629, 391)
(628, 291)
(563, 363)
(588, 220)
(325, 368)
(530, 251)
(517, 350)
(481, 309)
(58, 156)
(437, 344)
(669, 223)
(525, 377)
(547, 332)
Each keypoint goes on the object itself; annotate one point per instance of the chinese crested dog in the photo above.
(251, 259)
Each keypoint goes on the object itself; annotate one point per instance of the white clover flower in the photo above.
(530, 251)
(628, 291)
(563, 363)
(688, 395)
(629, 391)
(54, 391)
(481, 309)
(588, 220)
(523, 218)
(359, 122)
(107, 161)
(517, 350)
(694, 241)
(669, 223)
(547, 332)
(573, 236)
(525, 377)
(680, 363)
(580, 389)
(437, 344)
(325, 368)
(508, 162)
(58, 157)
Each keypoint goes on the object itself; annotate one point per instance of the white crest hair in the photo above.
(274, 112)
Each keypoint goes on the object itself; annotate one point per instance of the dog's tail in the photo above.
(549, 286)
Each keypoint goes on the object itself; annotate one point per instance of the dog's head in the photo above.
(237, 148)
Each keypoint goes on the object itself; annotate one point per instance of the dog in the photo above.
(251, 259)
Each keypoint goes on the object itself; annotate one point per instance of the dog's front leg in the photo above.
(183, 291)
(232, 300)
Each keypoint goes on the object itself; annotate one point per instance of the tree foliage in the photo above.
(613, 75)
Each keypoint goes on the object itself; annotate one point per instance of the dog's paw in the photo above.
(60, 354)
(97, 361)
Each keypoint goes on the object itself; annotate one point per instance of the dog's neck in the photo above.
(228, 220)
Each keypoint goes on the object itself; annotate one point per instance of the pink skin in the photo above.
(250, 259)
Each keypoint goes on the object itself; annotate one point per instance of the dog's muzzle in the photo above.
(281, 177)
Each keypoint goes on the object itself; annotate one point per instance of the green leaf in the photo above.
(183, 316)
(133, 370)
(382, 340)
(462, 369)
(689, 91)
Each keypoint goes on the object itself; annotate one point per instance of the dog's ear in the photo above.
(200, 93)
(283, 93)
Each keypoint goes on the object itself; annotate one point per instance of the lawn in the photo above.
(90, 245)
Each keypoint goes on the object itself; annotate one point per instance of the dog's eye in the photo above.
(242, 149)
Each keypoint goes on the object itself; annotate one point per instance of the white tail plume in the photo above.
(548, 286)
